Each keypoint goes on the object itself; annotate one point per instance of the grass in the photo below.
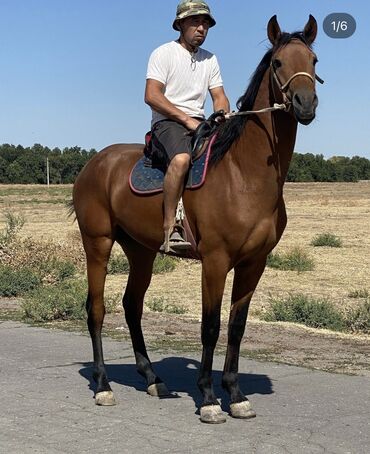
(295, 259)
(160, 305)
(326, 239)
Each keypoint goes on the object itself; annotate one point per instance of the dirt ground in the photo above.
(339, 208)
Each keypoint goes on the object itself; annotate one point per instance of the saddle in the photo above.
(148, 173)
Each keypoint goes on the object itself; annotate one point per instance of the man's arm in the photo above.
(219, 99)
(155, 98)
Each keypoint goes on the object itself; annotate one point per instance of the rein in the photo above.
(283, 89)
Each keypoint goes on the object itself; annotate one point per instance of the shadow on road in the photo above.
(180, 375)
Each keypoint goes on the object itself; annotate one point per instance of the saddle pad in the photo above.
(149, 180)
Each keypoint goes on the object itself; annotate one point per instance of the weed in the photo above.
(296, 259)
(60, 302)
(358, 318)
(118, 264)
(326, 239)
(15, 282)
(361, 293)
(317, 313)
(13, 224)
(159, 305)
(164, 264)
(112, 302)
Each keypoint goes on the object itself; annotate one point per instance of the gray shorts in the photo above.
(171, 138)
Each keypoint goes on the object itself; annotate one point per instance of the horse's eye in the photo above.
(276, 63)
(315, 60)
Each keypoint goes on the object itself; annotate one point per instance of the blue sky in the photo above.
(73, 71)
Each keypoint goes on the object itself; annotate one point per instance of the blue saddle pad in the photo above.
(148, 180)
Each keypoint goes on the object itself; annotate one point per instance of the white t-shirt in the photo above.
(186, 82)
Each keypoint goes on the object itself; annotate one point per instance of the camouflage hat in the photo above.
(187, 8)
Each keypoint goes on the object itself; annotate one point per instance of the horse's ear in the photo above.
(310, 30)
(273, 30)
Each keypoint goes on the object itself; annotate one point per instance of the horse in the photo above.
(237, 217)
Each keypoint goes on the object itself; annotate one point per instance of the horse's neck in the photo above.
(268, 139)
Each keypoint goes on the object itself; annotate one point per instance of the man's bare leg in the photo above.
(173, 186)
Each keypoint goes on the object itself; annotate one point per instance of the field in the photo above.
(342, 209)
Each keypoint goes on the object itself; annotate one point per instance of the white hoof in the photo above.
(158, 390)
(212, 414)
(242, 410)
(105, 398)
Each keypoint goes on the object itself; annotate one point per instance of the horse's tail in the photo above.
(70, 208)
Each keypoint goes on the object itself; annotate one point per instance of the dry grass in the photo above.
(313, 208)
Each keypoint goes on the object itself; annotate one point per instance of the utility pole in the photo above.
(47, 172)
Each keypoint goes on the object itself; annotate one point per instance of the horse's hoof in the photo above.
(212, 414)
(105, 398)
(242, 410)
(158, 390)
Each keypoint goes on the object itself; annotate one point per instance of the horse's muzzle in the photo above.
(304, 104)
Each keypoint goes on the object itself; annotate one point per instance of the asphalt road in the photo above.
(47, 403)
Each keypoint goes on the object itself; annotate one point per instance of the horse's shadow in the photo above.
(180, 375)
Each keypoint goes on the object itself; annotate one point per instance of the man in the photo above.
(180, 74)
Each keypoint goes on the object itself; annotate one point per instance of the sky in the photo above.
(73, 71)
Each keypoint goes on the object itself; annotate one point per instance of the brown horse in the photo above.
(236, 217)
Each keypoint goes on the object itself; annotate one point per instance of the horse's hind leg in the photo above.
(97, 256)
(246, 278)
(141, 264)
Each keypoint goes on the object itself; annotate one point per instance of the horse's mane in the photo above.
(230, 131)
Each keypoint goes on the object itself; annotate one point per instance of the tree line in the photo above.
(27, 165)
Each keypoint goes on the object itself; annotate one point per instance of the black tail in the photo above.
(70, 208)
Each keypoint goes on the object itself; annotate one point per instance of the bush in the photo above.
(164, 264)
(295, 259)
(326, 239)
(159, 305)
(16, 282)
(358, 319)
(308, 311)
(60, 302)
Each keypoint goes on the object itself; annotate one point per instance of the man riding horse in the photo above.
(178, 77)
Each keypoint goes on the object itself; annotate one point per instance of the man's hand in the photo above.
(192, 123)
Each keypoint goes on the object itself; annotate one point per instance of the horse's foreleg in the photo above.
(214, 271)
(245, 281)
(97, 256)
(141, 265)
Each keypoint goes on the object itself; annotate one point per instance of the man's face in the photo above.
(194, 29)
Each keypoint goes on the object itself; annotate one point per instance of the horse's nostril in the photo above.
(297, 99)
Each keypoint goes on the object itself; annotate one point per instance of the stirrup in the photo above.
(176, 241)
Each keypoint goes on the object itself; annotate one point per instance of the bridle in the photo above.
(284, 87)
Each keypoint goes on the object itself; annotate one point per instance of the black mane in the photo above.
(230, 131)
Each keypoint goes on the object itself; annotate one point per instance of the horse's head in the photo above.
(293, 68)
